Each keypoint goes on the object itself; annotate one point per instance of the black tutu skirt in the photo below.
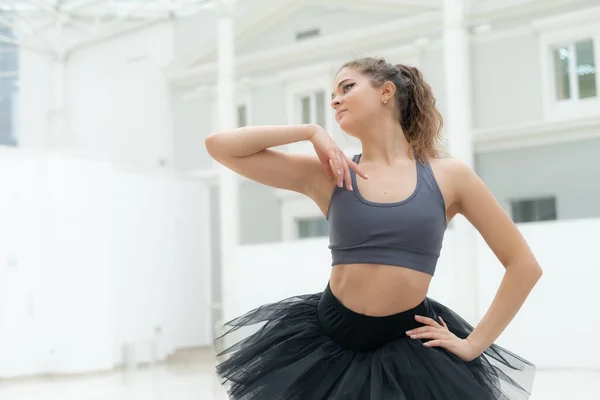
(312, 347)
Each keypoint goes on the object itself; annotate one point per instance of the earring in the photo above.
(384, 101)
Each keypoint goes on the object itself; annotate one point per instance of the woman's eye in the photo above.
(348, 86)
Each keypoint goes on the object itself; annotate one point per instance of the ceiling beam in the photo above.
(77, 5)
(116, 32)
(397, 5)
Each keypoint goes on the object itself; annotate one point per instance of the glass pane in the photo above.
(586, 68)
(562, 56)
(9, 61)
(542, 209)
(305, 111)
(8, 111)
(523, 211)
(546, 209)
(312, 227)
(7, 33)
(320, 97)
(242, 116)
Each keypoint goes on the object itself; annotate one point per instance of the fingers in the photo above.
(357, 169)
(431, 334)
(340, 167)
(422, 329)
(336, 166)
(437, 343)
(347, 177)
(427, 321)
(341, 170)
(444, 323)
(328, 167)
(425, 332)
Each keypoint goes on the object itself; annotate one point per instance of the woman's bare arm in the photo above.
(478, 205)
(248, 152)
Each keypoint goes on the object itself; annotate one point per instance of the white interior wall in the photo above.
(35, 90)
(93, 258)
(117, 100)
(550, 330)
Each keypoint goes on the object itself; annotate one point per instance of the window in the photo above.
(570, 48)
(242, 115)
(300, 217)
(312, 108)
(8, 91)
(532, 210)
(311, 227)
(242, 110)
(575, 71)
(306, 93)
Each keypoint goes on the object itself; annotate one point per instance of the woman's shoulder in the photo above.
(449, 165)
(452, 175)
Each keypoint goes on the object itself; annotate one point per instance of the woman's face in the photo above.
(355, 101)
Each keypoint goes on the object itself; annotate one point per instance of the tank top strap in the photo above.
(429, 177)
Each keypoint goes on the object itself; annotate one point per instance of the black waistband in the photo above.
(361, 332)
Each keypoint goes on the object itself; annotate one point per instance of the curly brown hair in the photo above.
(418, 116)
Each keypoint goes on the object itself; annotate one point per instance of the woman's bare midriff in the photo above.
(378, 290)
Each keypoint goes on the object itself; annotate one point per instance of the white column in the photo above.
(459, 132)
(228, 186)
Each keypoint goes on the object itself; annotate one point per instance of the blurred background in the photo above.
(123, 247)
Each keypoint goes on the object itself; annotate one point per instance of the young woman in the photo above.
(373, 333)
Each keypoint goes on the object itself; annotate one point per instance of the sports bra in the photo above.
(407, 233)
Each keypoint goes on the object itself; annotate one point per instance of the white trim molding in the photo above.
(266, 14)
(500, 34)
(487, 11)
(536, 134)
(570, 20)
(336, 46)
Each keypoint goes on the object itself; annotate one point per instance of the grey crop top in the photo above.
(407, 233)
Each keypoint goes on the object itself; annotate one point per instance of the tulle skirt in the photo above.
(312, 347)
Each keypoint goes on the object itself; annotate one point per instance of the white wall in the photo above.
(117, 101)
(552, 329)
(541, 174)
(93, 258)
(35, 91)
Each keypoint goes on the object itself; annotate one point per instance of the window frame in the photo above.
(12, 76)
(297, 221)
(307, 81)
(567, 35)
(535, 198)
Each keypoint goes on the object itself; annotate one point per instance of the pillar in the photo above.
(459, 132)
(228, 182)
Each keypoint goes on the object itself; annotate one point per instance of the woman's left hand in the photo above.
(440, 336)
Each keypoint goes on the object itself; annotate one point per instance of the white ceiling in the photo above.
(42, 25)
(33, 24)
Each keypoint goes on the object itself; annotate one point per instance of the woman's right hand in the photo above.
(334, 162)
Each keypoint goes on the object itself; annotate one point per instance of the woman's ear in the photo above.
(388, 90)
